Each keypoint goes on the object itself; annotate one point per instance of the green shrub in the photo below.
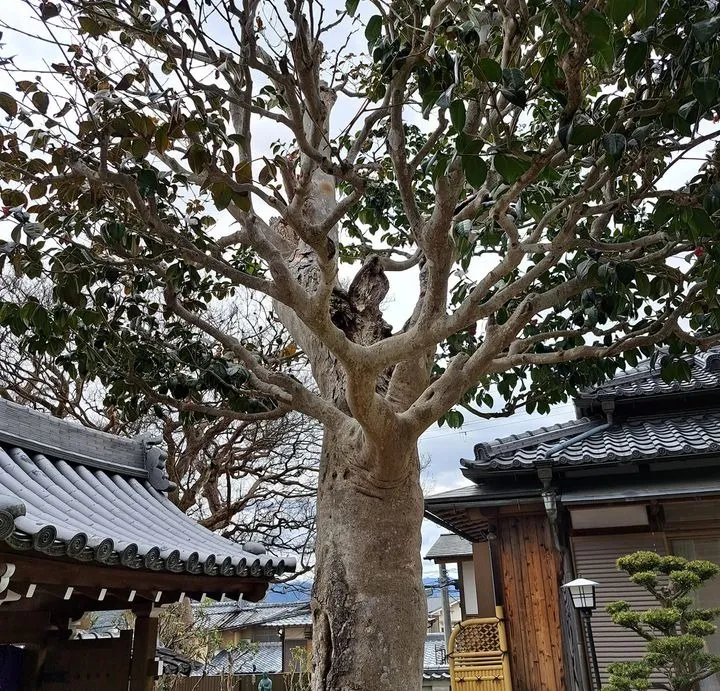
(675, 630)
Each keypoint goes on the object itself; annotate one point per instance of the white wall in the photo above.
(468, 582)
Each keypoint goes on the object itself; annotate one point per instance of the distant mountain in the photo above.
(299, 591)
(295, 591)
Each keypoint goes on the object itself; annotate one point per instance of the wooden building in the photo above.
(638, 469)
(85, 526)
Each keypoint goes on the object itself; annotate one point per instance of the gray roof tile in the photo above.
(268, 658)
(631, 440)
(646, 381)
(54, 505)
(233, 615)
(435, 653)
(450, 545)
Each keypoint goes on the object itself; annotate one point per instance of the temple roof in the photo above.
(73, 493)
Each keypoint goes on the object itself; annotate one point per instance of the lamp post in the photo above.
(582, 592)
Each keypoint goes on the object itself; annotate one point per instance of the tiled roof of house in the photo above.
(234, 615)
(435, 653)
(249, 659)
(67, 491)
(642, 438)
(267, 657)
(691, 431)
(450, 545)
(645, 380)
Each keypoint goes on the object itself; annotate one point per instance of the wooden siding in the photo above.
(530, 574)
(595, 559)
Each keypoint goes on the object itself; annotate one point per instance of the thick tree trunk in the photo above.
(369, 608)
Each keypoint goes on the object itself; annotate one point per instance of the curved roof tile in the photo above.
(69, 491)
(645, 380)
(632, 439)
(66, 509)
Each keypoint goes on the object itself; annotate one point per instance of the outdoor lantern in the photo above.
(550, 502)
(582, 592)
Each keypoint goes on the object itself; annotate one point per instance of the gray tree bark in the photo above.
(368, 596)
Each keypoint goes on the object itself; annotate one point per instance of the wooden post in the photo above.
(142, 664)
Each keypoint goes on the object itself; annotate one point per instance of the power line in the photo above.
(473, 426)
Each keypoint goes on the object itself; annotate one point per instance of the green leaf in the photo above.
(457, 114)
(597, 27)
(635, 58)
(162, 139)
(13, 198)
(706, 91)
(125, 83)
(198, 157)
(689, 111)
(586, 268)
(488, 69)
(646, 12)
(147, 181)
(48, 10)
(702, 223)
(92, 26)
(614, 145)
(373, 29)
(475, 170)
(618, 10)
(625, 272)
(706, 30)
(510, 167)
(517, 98)
(351, 6)
(514, 79)
(140, 147)
(640, 134)
(465, 144)
(120, 127)
(454, 418)
(222, 195)
(8, 104)
(584, 134)
(664, 210)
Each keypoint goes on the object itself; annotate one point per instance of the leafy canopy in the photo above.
(523, 165)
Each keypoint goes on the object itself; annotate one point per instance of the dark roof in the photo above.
(682, 486)
(435, 652)
(646, 380)
(70, 492)
(267, 657)
(234, 615)
(450, 545)
(646, 438)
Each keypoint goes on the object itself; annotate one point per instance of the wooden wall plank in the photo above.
(530, 571)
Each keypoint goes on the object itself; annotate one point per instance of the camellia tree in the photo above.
(540, 179)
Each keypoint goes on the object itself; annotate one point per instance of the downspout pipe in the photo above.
(573, 440)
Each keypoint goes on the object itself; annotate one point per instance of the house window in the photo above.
(709, 595)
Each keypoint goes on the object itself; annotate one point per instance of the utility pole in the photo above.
(445, 600)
